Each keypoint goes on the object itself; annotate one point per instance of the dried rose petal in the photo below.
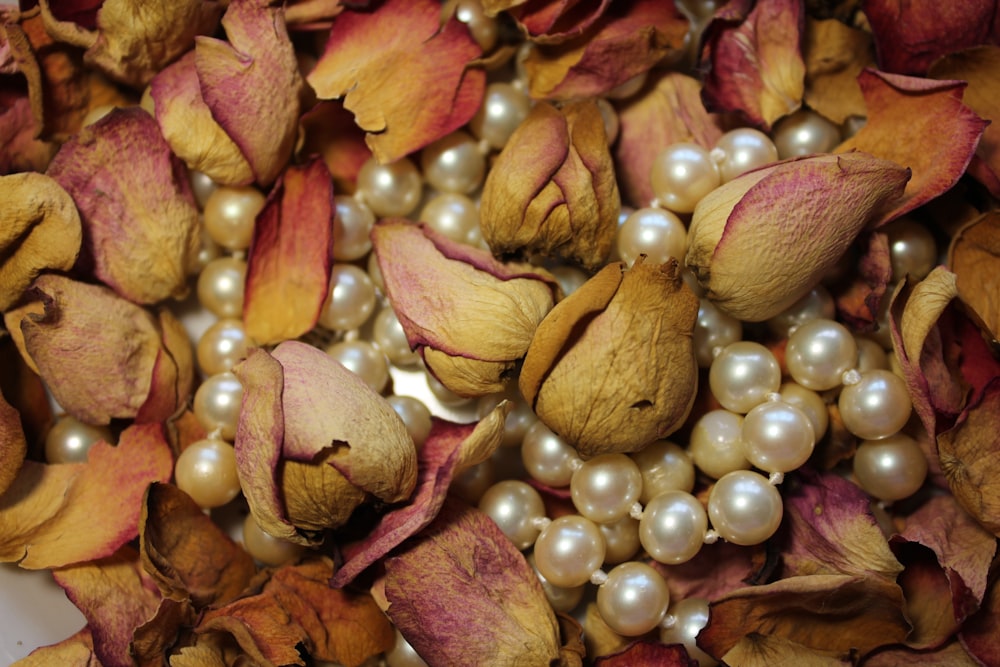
(974, 257)
(626, 41)
(564, 202)
(979, 634)
(25, 392)
(647, 653)
(152, 639)
(48, 513)
(858, 301)
(548, 22)
(288, 271)
(19, 149)
(424, 66)
(463, 594)
(928, 598)
(601, 639)
(140, 225)
(13, 446)
(756, 65)
(952, 655)
(824, 202)
(594, 370)
(835, 54)
(757, 650)
(75, 651)
(921, 124)
(717, 570)
(330, 132)
(315, 14)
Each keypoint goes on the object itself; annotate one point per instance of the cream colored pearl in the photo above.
(871, 355)
(621, 540)
(628, 88)
(415, 415)
(682, 175)
(605, 487)
(265, 548)
(547, 457)
(742, 375)
(516, 508)
(217, 404)
(744, 149)
(809, 402)
(208, 251)
(562, 599)
(96, 114)
(892, 468)
(819, 353)
(713, 330)
(804, 132)
(912, 249)
(206, 471)
(220, 286)
(690, 615)
(570, 278)
(69, 440)
(634, 599)
(654, 232)
(744, 508)
(222, 346)
(715, 444)
(364, 360)
(664, 467)
(390, 190)
(351, 228)
(350, 301)
(231, 213)
(473, 482)
(672, 528)
(202, 186)
(453, 215)
(777, 437)
(388, 335)
(569, 550)
(402, 654)
(453, 164)
(484, 29)
(519, 419)
(374, 272)
(504, 108)
(876, 407)
(816, 304)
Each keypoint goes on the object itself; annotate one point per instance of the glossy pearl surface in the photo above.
(742, 375)
(634, 599)
(474, 481)
(713, 331)
(415, 415)
(516, 508)
(690, 616)
(892, 468)
(547, 457)
(605, 487)
(222, 346)
(388, 334)
(876, 407)
(664, 466)
(453, 215)
(777, 437)
(817, 303)
(69, 440)
(744, 149)
(351, 228)
(265, 548)
(819, 352)
(569, 550)
(402, 654)
(217, 404)
(202, 186)
(654, 232)
(351, 299)
(871, 355)
(504, 108)
(803, 133)
(621, 540)
(208, 251)
(672, 528)
(682, 175)
(809, 402)
(483, 28)
(715, 446)
(912, 249)
(206, 471)
(364, 360)
(220, 286)
(453, 163)
(562, 599)
(230, 214)
(744, 508)
(570, 279)
(390, 190)
(610, 118)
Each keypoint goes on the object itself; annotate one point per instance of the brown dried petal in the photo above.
(316, 495)
(757, 650)
(717, 570)
(13, 445)
(596, 370)
(858, 301)
(974, 257)
(979, 634)
(19, 149)
(25, 392)
(835, 54)
(928, 598)
(74, 651)
(952, 655)
(158, 635)
(645, 653)
(330, 132)
(548, 22)
(599, 637)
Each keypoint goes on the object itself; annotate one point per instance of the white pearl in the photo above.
(230, 214)
(871, 355)
(453, 163)
(803, 133)
(202, 186)
(208, 251)
(520, 418)
(744, 508)
(217, 404)
(876, 407)
(682, 175)
(206, 471)
(744, 149)
(892, 468)
(912, 249)
(628, 88)
(570, 278)
(516, 509)
(390, 190)
(388, 334)
(634, 599)
(350, 301)
(547, 457)
(713, 329)
(690, 616)
(504, 108)
(351, 228)
(562, 599)
(415, 415)
(664, 467)
(742, 375)
(222, 346)
(474, 481)
(374, 272)
(621, 540)
(453, 215)
(220, 286)
(69, 440)
(715, 444)
(265, 548)
(777, 437)
(819, 353)
(654, 232)
(817, 303)
(809, 402)
(672, 528)
(364, 360)
(402, 654)
(484, 29)
(569, 550)
(605, 487)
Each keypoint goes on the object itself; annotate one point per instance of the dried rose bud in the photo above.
(612, 367)
(761, 241)
(470, 316)
(563, 201)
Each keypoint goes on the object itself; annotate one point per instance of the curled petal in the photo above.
(835, 54)
(858, 301)
(645, 653)
(74, 651)
(13, 446)
(548, 22)
(974, 257)
(331, 133)
(757, 650)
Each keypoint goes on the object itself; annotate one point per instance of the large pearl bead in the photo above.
(562, 599)
(222, 346)
(265, 548)
(742, 376)
(682, 175)
(569, 550)
(504, 108)
(809, 402)
(817, 303)
(230, 214)
(516, 508)
(716, 446)
(744, 508)
(220, 286)
(819, 353)
(654, 232)
(634, 599)
(892, 468)
(912, 249)
(484, 29)
(351, 228)
(621, 540)
(605, 487)
(876, 407)
(69, 440)
(672, 528)
(454, 216)
(453, 163)
(202, 186)
(805, 132)
(206, 471)
(664, 467)
(350, 301)
(713, 330)
(690, 616)
(217, 404)
(548, 458)
(415, 415)
(364, 360)
(777, 437)
(744, 149)
(388, 334)
(390, 190)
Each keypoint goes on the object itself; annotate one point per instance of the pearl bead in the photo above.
(97, 113)
(570, 279)
(230, 214)
(453, 163)
(871, 355)
(222, 346)
(610, 118)
(220, 286)
(883, 333)
(654, 232)
(69, 440)
(504, 108)
(634, 599)
(605, 487)
(206, 471)
(562, 599)
(484, 29)
(415, 415)
(744, 508)
(351, 228)
(208, 251)
(628, 88)
(547, 457)
(700, 9)
(809, 402)
(390, 190)
(403, 655)
(374, 272)
(520, 418)
(473, 482)
(516, 509)
(713, 330)
(715, 444)
(744, 149)
(690, 615)
(266, 549)
(777, 437)
(364, 360)
(388, 334)
(443, 394)
(672, 528)
(912, 249)
(621, 540)
(217, 404)
(819, 353)
(569, 550)
(852, 125)
(803, 133)
(454, 216)
(681, 175)
(742, 375)
(876, 407)
(351, 299)
(892, 468)
(664, 467)
(817, 303)
(202, 186)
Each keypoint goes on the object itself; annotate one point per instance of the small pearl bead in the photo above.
(715, 444)
(453, 164)
(484, 29)
(634, 599)
(351, 299)
(713, 329)
(388, 334)
(516, 509)
(351, 228)
(892, 468)
(621, 540)
(817, 303)
(208, 251)
(473, 482)
(222, 346)
(871, 355)
(803, 133)
(217, 404)
(504, 108)
(390, 190)
(519, 419)
(912, 249)
(562, 599)
(403, 655)
(744, 508)
(654, 232)
(220, 286)
(664, 467)
(453, 215)
(777, 437)
(682, 175)
(206, 471)
(690, 616)
(547, 457)
(569, 550)
(364, 360)
(605, 487)
(230, 214)
(265, 548)
(876, 407)
(415, 415)
(809, 402)
(69, 440)
(742, 376)
(202, 186)
(744, 149)
(672, 528)
(819, 353)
